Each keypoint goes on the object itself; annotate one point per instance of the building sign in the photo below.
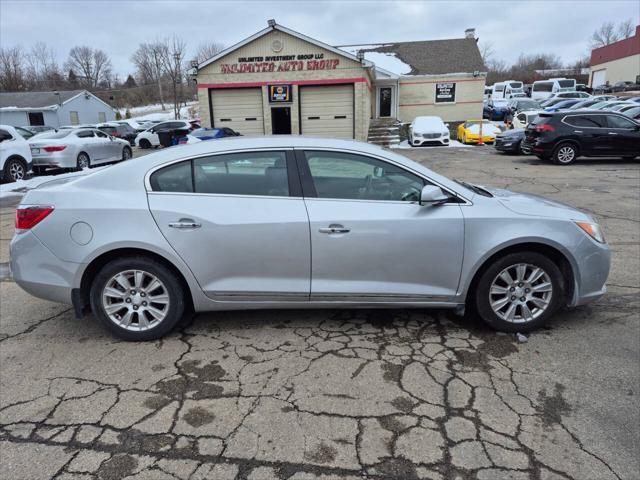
(445, 92)
(280, 63)
(279, 93)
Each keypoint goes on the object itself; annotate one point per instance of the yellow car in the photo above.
(469, 131)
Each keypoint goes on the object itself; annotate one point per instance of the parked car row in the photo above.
(624, 86)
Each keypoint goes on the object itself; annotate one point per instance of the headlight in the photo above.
(593, 230)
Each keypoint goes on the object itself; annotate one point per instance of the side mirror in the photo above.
(446, 125)
(432, 195)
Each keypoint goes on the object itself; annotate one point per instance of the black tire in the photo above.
(565, 154)
(144, 143)
(174, 291)
(14, 169)
(519, 150)
(39, 170)
(83, 161)
(483, 297)
(629, 158)
(126, 153)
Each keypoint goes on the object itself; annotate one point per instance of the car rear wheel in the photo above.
(137, 298)
(564, 154)
(83, 161)
(519, 292)
(14, 170)
(126, 153)
(144, 143)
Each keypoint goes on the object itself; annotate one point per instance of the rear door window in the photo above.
(84, 134)
(174, 178)
(587, 121)
(250, 173)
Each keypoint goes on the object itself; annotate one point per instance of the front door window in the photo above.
(384, 99)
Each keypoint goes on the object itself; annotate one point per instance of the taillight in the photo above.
(29, 216)
(54, 148)
(545, 127)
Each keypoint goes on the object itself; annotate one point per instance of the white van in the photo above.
(543, 89)
(488, 91)
(508, 89)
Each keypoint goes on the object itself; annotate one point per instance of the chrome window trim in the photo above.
(149, 190)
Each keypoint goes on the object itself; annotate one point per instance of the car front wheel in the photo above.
(564, 154)
(137, 298)
(144, 143)
(14, 170)
(519, 292)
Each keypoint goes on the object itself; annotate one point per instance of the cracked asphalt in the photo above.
(332, 394)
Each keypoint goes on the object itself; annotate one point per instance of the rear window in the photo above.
(543, 87)
(54, 134)
(566, 83)
(109, 130)
(516, 84)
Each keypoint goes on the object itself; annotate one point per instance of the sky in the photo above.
(118, 26)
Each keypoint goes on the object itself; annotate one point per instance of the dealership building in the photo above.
(616, 62)
(279, 81)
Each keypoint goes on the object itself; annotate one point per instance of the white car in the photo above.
(149, 138)
(15, 155)
(524, 118)
(76, 148)
(428, 131)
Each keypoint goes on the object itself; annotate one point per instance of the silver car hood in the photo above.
(537, 206)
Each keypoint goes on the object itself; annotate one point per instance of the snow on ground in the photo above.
(452, 144)
(21, 187)
(155, 112)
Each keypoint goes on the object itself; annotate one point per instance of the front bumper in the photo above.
(436, 142)
(506, 146)
(38, 271)
(594, 262)
(476, 139)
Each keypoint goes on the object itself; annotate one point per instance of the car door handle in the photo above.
(612, 133)
(577, 131)
(334, 228)
(185, 224)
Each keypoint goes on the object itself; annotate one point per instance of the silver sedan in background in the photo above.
(295, 222)
(76, 148)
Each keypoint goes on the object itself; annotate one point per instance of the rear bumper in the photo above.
(54, 160)
(38, 271)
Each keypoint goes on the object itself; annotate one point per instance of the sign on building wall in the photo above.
(445, 92)
(281, 63)
(279, 93)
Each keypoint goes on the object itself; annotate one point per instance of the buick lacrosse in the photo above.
(295, 222)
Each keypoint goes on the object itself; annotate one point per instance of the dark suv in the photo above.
(125, 132)
(564, 136)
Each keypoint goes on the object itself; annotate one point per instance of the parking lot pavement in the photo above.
(331, 394)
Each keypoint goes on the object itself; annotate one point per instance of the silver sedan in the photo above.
(295, 222)
(76, 148)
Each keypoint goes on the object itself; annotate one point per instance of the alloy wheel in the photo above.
(520, 293)
(126, 153)
(83, 161)
(566, 154)
(135, 300)
(16, 171)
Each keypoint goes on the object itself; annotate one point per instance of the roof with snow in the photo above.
(429, 57)
(36, 99)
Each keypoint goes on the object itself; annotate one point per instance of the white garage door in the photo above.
(327, 111)
(599, 77)
(239, 109)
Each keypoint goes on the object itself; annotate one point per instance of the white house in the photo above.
(54, 109)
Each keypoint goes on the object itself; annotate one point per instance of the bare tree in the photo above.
(93, 65)
(207, 50)
(12, 69)
(149, 62)
(625, 29)
(42, 67)
(605, 35)
(487, 52)
(172, 58)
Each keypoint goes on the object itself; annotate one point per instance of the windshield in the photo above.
(54, 134)
(527, 104)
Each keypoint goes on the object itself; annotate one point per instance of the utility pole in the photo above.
(177, 80)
